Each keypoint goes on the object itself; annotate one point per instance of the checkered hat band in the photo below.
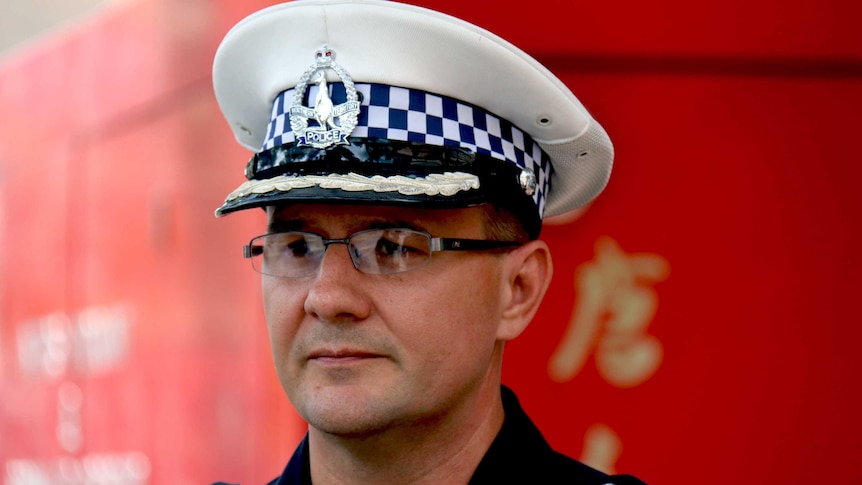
(397, 113)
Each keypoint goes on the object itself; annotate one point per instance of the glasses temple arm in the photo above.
(447, 244)
(251, 250)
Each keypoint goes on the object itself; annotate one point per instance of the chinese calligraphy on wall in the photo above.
(615, 304)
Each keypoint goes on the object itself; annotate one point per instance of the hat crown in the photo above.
(402, 46)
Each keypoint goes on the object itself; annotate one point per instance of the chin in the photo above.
(348, 420)
(346, 410)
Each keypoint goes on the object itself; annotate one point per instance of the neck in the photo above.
(446, 449)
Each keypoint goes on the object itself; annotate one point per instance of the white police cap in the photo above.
(379, 102)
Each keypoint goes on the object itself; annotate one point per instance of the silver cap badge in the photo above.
(334, 123)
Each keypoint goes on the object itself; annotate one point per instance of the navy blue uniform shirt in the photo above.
(518, 455)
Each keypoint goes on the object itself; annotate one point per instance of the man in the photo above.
(405, 160)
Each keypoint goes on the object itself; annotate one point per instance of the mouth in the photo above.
(341, 356)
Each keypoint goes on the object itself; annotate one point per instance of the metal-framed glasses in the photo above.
(297, 254)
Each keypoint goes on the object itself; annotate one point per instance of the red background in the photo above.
(735, 126)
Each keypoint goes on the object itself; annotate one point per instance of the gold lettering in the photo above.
(615, 305)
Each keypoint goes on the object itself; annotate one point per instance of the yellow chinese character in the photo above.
(616, 304)
(602, 448)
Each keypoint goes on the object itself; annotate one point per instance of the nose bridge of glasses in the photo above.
(327, 242)
(352, 250)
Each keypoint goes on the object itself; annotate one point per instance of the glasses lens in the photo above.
(382, 251)
(289, 254)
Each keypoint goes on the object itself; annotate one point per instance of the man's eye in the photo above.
(297, 248)
(386, 247)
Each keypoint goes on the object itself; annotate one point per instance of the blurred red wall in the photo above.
(702, 325)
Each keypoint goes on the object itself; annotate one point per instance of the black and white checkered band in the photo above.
(396, 113)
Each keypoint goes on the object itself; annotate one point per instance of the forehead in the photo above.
(353, 217)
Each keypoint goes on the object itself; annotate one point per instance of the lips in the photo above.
(341, 355)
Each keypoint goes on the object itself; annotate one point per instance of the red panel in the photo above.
(710, 28)
(701, 319)
(751, 209)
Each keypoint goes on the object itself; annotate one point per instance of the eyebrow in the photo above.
(280, 225)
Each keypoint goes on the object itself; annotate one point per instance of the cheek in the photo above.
(454, 318)
(283, 308)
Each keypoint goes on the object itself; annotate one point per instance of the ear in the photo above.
(528, 275)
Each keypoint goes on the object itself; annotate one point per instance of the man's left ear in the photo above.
(528, 272)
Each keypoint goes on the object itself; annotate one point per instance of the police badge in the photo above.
(325, 113)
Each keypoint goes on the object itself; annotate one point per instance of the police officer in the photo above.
(405, 160)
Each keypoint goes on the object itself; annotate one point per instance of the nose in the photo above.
(337, 292)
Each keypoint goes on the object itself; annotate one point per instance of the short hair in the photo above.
(502, 224)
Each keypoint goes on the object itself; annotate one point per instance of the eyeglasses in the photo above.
(296, 254)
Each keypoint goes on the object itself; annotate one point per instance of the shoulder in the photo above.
(520, 454)
(547, 468)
